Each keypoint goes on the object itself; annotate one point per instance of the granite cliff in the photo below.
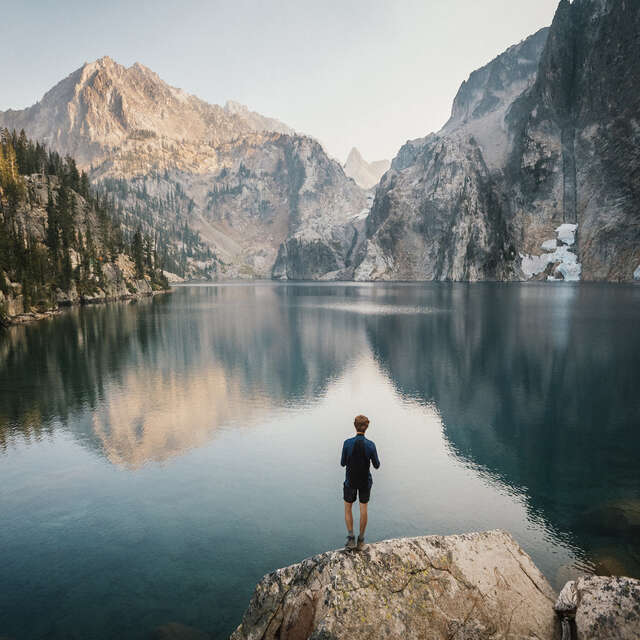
(535, 175)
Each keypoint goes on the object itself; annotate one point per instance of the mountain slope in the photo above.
(365, 174)
(241, 182)
(537, 172)
(440, 211)
(60, 242)
(256, 121)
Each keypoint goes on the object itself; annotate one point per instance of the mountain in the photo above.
(256, 121)
(576, 133)
(223, 187)
(365, 174)
(535, 175)
(438, 213)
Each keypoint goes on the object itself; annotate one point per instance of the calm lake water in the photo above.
(157, 458)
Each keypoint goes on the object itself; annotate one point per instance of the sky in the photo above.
(365, 73)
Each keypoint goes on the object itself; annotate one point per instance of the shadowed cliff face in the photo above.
(577, 132)
(441, 212)
(525, 393)
(442, 218)
(546, 134)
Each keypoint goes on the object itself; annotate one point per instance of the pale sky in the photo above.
(362, 73)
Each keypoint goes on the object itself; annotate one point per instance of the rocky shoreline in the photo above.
(28, 317)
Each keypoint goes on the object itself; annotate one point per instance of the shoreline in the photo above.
(35, 316)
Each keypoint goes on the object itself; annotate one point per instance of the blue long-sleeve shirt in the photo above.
(370, 452)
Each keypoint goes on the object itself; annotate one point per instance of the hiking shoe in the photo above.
(360, 542)
(351, 543)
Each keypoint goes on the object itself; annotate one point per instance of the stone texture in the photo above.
(604, 608)
(473, 587)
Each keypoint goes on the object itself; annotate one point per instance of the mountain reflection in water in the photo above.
(492, 405)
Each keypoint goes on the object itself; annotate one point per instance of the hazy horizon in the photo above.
(369, 75)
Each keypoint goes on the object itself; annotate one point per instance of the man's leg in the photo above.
(348, 516)
(363, 518)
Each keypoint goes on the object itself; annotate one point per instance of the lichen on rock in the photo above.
(606, 608)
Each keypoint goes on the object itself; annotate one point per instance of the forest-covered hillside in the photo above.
(61, 241)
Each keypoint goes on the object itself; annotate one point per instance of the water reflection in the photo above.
(144, 382)
(492, 405)
(539, 387)
(535, 385)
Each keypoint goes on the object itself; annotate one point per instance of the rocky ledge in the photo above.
(472, 586)
(475, 586)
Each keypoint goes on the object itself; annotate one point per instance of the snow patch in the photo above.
(567, 233)
(636, 273)
(568, 266)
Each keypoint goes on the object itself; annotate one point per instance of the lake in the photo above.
(157, 458)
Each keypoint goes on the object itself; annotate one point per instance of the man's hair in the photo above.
(361, 423)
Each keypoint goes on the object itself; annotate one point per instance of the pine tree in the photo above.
(53, 237)
(137, 249)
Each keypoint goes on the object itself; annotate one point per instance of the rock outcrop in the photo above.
(472, 586)
(365, 174)
(600, 608)
(545, 135)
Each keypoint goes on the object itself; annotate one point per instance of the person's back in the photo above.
(357, 454)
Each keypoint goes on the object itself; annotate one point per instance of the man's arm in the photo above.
(374, 457)
(343, 459)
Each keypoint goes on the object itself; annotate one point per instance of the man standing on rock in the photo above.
(357, 453)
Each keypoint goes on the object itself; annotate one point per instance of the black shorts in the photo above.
(350, 494)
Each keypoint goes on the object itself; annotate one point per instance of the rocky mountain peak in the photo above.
(365, 174)
(499, 82)
(104, 105)
(354, 157)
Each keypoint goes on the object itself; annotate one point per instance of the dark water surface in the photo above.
(156, 459)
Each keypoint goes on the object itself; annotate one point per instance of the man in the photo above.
(357, 453)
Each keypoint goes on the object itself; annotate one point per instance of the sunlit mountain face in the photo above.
(191, 442)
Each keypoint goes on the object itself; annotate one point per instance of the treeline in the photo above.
(164, 213)
(65, 255)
